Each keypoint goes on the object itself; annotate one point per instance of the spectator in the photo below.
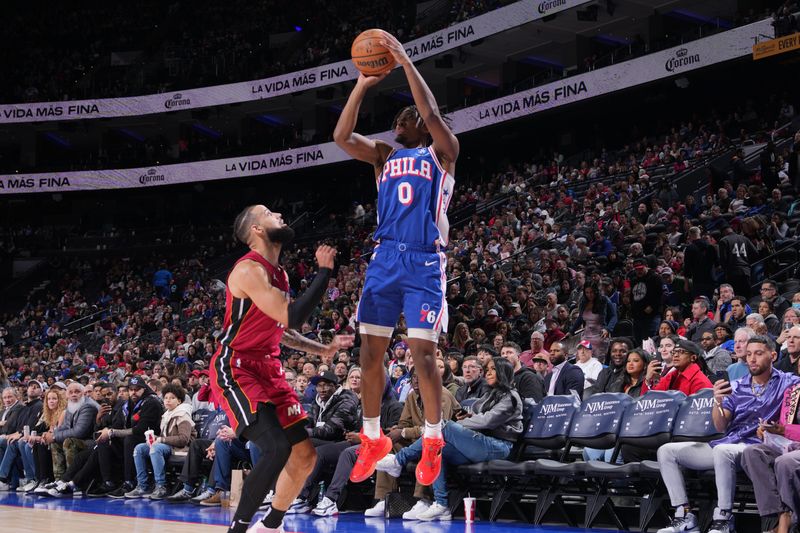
(774, 475)
(687, 375)
(177, 432)
(486, 434)
(769, 292)
(790, 360)
(598, 316)
(14, 448)
(74, 433)
(590, 366)
(737, 318)
(633, 380)
(771, 321)
(536, 348)
(700, 322)
(610, 378)
(527, 382)
(333, 412)
(474, 385)
(718, 359)
(565, 376)
(699, 262)
(646, 287)
(737, 412)
(55, 403)
(142, 413)
(739, 368)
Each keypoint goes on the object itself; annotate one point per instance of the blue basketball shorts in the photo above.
(409, 279)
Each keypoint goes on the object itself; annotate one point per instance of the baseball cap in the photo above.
(539, 357)
(667, 271)
(198, 373)
(136, 383)
(640, 261)
(60, 385)
(325, 376)
(585, 344)
(400, 344)
(492, 312)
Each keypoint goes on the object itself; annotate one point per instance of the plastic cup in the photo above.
(469, 510)
(225, 499)
(150, 437)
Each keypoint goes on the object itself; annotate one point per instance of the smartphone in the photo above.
(721, 375)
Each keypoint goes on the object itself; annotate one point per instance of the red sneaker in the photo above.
(430, 464)
(368, 454)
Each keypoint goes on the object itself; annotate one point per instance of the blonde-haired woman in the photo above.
(37, 453)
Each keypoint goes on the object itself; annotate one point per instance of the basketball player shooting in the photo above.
(407, 270)
(246, 372)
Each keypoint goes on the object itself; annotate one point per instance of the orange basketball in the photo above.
(369, 55)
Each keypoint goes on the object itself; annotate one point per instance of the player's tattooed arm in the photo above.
(294, 340)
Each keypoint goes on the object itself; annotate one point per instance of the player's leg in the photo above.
(377, 314)
(425, 309)
(272, 441)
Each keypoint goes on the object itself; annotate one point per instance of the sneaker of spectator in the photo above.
(435, 512)
(159, 493)
(377, 510)
(215, 500)
(326, 507)
(420, 507)
(299, 506)
(138, 492)
(182, 496)
(205, 494)
(65, 489)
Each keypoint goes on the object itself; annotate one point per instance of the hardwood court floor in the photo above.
(30, 514)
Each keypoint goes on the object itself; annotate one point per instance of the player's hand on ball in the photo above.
(325, 256)
(370, 81)
(396, 48)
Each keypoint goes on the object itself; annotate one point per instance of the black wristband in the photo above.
(301, 309)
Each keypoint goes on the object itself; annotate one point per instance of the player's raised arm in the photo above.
(444, 142)
(250, 280)
(356, 145)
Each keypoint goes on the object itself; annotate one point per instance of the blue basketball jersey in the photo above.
(414, 191)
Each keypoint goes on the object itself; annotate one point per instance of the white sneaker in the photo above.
(681, 523)
(389, 465)
(436, 511)
(325, 508)
(4, 487)
(723, 522)
(258, 527)
(298, 507)
(378, 510)
(413, 514)
(29, 486)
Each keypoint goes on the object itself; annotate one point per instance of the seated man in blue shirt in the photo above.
(738, 408)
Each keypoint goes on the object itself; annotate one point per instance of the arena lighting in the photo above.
(57, 139)
(207, 131)
(298, 28)
(690, 16)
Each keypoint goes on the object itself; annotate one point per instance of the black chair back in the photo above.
(550, 421)
(598, 422)
(649, 421)
(694, 422)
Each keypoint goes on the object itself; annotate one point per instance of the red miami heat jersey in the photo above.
(247, 330)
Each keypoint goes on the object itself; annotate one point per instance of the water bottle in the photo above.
(321, 492)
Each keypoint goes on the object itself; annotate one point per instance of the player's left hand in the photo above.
(395, 47)
(340, 342)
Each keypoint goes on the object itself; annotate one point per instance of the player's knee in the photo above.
(303, 458)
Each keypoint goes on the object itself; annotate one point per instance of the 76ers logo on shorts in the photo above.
(426, 315)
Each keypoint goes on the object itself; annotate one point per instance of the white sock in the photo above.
(433, 431)
(372, 427)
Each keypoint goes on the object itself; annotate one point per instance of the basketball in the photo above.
(369, 55)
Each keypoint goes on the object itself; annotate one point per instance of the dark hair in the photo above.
(514, 346)
(624, 340)
(741, 299)
(761, 339)
(488, 349)
(504, 383)
(597, 296)
(242, 223)
(175, 390)
(626, 378)
(771, 282)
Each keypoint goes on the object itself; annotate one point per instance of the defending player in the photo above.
(247, 375)
(407, 271)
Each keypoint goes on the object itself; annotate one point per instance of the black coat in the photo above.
(12, 416)
(475, 390)
(338, 418)
(529, 384)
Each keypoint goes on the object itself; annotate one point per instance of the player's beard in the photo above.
(401, 139)
(282, 235)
